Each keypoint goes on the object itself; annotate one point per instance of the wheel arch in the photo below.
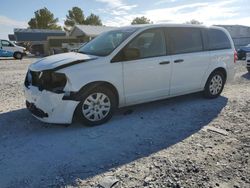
(219, 69)
(222, 70)
(17, 52)
(105, 84)
(207, 92)
(90, 86)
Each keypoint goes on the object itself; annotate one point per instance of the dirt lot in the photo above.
(169, 143)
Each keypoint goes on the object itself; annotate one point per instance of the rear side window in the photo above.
(185, 40)
(218, 40)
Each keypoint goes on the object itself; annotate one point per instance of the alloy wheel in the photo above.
(216, 84)
(96, 107)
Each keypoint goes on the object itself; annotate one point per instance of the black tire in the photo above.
(207, 91)
(18, 55)
(113, 105)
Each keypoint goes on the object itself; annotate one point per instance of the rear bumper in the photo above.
(49, 107)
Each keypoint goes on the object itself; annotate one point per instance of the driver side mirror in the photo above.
(131, 53)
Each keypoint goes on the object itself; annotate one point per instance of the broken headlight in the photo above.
(56, 82)
(46, 80)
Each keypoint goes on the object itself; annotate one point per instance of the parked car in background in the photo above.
(128, 66)
(241, 52)
(248, 61)
(10, 49)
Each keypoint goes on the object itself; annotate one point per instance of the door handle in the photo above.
(179, 61)
(164, 62)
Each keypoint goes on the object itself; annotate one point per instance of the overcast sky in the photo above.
(16, 13)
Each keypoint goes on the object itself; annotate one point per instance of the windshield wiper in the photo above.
(84, 53)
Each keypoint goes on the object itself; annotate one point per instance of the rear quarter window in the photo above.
(218, 40)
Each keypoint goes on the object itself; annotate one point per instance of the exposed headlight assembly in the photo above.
(57, 82)
(46, 80)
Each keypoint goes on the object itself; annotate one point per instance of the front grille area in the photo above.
(33, 78)
(46, 80)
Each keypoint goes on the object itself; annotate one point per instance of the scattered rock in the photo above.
(78, 182)
(108, 182)
(216, 130)
(148, 179)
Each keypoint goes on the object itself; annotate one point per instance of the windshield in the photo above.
(105, 43)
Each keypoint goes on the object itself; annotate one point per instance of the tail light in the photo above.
(235, 56)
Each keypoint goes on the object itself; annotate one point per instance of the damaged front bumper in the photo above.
(49, 107)
(35, 111)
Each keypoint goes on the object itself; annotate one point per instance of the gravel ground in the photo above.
(186, 141)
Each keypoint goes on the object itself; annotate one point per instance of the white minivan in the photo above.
(10, 49)
(128, 66)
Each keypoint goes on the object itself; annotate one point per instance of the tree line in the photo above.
(44, 19)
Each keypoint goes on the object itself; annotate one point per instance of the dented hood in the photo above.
(56, 62)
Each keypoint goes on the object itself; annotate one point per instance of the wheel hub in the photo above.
(216, 85)
(96, 106)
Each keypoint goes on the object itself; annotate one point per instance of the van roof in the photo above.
(168, 25)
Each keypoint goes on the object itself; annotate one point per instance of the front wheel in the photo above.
(214, 85)
(18, 55)
(97, 106)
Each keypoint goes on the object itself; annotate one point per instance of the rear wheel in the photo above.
(18, 55)
(214, 85)
(97, 106)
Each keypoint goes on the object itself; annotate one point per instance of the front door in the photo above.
(147, 77)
